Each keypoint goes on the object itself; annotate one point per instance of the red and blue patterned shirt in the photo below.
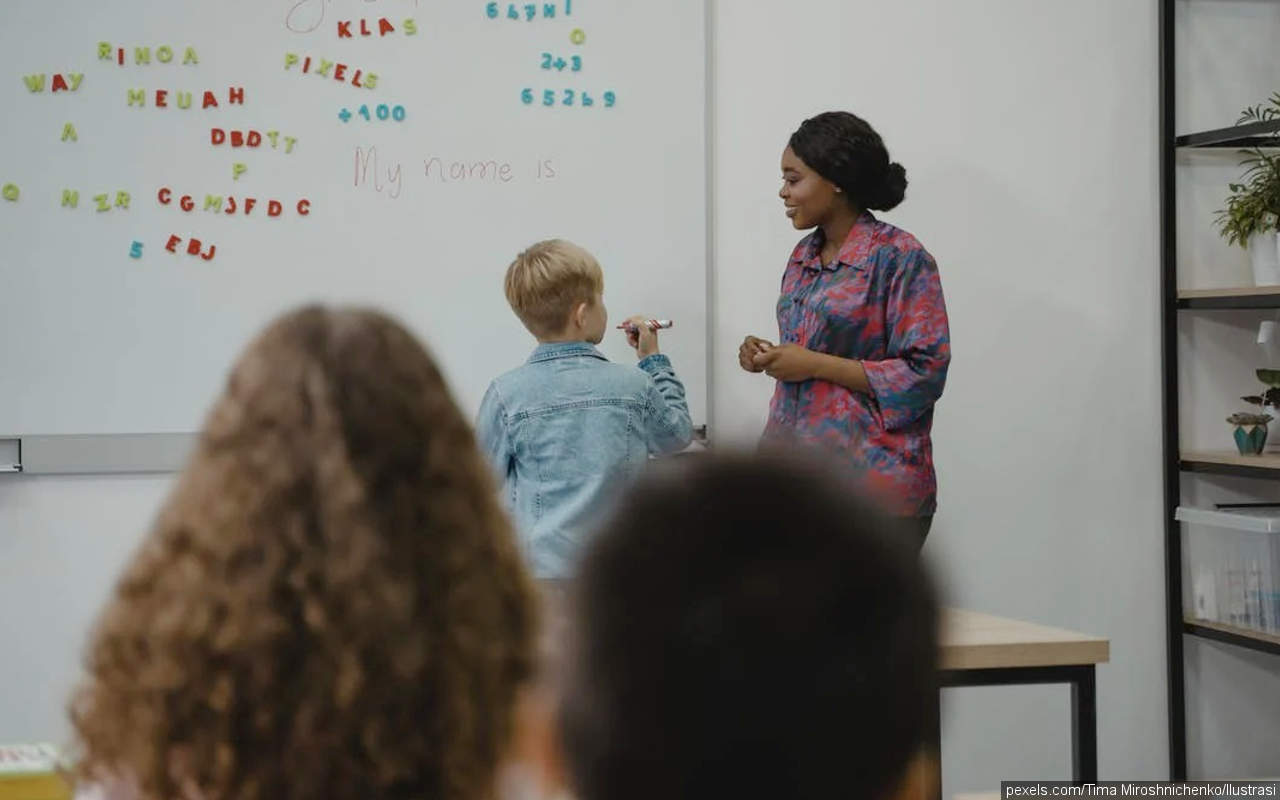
(880, 302)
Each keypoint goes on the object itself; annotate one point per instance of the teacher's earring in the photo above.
(839, 190)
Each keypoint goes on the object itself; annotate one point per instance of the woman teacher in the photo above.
(863, 342)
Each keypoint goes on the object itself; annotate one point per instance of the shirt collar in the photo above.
(853, 253)
(548, 351)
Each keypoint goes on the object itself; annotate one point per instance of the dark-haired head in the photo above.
(747, 627)
(845, 150)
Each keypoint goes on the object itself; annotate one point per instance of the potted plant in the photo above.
(1269, 401)
(1250, 432)
(1252, 213)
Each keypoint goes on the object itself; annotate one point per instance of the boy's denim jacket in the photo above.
(566, 432)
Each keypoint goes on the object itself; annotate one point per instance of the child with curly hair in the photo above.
(330, 603)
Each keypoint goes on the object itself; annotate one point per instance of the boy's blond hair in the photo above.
(547, 280)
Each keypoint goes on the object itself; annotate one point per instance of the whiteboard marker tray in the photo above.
(1262, 519)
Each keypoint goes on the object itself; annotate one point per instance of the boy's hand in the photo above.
(752, 347)
(640, 336)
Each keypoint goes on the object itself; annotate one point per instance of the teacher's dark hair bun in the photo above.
(847, 151)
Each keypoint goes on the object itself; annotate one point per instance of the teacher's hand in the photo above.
(787, 362)
(751, 347)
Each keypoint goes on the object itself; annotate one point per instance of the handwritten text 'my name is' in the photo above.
(389, 178)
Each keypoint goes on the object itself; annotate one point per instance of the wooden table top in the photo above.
(973, 640)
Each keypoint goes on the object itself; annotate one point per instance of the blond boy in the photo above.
(568, 429)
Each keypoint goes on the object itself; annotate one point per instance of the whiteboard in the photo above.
(415, 199)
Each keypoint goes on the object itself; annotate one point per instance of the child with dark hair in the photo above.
(727, 644)
(864, 344)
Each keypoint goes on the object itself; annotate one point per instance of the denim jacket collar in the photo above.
(548, 351)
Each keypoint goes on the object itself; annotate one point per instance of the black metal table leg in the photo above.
(1082, 679)
(935, 745)
(1084, 727)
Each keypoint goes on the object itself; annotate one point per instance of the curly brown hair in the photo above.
(330, 604)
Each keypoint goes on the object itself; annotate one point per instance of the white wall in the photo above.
(1028, 130)
(62, 542)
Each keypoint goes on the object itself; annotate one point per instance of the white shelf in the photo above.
(1255, 520)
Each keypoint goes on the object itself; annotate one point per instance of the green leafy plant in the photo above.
(1253, 205)
(1271, 396)
(1262, 112)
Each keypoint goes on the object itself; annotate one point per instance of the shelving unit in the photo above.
(1229, 462)
(1240, 637)
(1250, 297)
(1265, 519)
(1255, 134)
(1175, 302)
